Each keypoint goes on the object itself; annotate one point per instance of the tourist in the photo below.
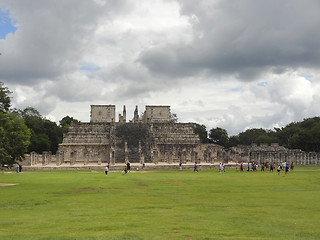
(106, 170)
(125, 169)
(195, 167)
(128, 166)
(279, 169)
(180, 166)
(262, 167)
(267, 166)
(241, 167)
(271, 167)
(287, 168)
(292, 166)
(248, 167)
(18, 168)
(283, 165)
(221, 169)
(253, 166)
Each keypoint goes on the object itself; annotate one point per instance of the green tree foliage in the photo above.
(45, 134)
(173, 118)
(303, 135)
(14, 134)
(234, 141)
(65, 123)
(251, 135)
(219, 136)
(5, 101)
(201, 130)
(14, 138)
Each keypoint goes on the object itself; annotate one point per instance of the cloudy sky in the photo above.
(233, 64)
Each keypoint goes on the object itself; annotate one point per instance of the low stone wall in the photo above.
(120, 167)
(207, 154)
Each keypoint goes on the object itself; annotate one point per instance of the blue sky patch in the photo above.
(309, 77)
(262, 84)
(89, 67)
(235, 89)
(7, 25)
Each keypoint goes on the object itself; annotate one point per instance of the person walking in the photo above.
(180, 166)
(287, 168)
(195, 167)
(271, 167)
(279, 169)
(292, 166)
(106, 170)
(221, 168)
(125, 169)
(262, 167)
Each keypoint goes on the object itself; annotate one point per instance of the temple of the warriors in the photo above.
(152, 138)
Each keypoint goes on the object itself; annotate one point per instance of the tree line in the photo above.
(25, 131)
(304, 135)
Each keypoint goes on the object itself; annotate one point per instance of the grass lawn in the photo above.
(168, 204)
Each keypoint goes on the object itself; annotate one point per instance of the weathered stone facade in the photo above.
(153, 138)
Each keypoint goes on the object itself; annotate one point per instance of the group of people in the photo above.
(127, 168)
(19, 168)
(252, 166)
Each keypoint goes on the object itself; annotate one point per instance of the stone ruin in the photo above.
(152, 138)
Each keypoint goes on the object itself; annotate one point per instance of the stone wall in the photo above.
(132, 142)
(103, 113)
(157, 114)
(86, 143)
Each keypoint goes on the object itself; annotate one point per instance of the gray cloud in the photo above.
(242, 38)
(233, 64)
(51, 37)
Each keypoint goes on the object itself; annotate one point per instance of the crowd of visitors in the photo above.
(250, 166)
(253, 166)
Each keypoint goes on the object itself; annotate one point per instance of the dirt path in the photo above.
(7, 184)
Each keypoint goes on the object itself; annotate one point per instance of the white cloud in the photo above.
(230, 64)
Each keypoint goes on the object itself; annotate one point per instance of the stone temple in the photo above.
(152, 138)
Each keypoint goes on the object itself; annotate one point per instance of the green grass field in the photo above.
(159, 204)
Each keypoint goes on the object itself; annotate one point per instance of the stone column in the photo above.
(126, 155)
(44, 158)
(33, 158)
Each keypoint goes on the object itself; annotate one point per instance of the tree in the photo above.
(14, 138)
(251, 135)
(201, 131)
(173, 118)
(5, 101)
(65, 123)
(219, 136)
(234, 141)
(45, 134)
